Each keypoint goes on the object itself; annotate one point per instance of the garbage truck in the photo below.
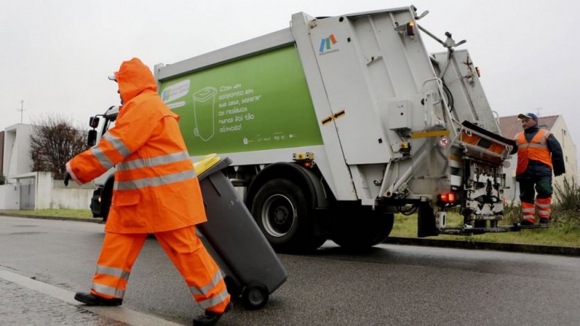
(335, 124)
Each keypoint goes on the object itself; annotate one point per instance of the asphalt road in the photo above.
(390, 285)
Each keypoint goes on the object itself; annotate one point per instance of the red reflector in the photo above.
(411, 29)
(448, 197)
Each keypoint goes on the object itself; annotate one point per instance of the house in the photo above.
(16, 157)
(2, 152)
(16, 168)
(510, 126)
(27, 189)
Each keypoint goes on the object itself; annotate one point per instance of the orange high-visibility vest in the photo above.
(536, 149)
(156, 188)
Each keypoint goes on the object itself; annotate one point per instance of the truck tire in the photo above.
(284, 215)
(106, 205)
(106, 199)
(359, 231)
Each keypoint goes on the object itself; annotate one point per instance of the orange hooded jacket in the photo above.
(156, 188)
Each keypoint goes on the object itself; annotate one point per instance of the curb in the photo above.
(455, 244)
(475, 245)
(58, 218)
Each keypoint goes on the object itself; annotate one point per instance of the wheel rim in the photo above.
(256, 296)
(278, 215)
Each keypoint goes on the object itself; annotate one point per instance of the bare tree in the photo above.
(53, 143)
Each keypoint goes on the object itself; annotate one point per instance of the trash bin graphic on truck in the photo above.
(203, 109)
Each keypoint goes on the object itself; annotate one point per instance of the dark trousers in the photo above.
(530, 185)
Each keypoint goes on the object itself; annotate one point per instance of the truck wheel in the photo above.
(360, 231)
(106, 199)
(283, 213)
(106, 206)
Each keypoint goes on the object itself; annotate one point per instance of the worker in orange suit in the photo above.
(539, 155)
(156, 191)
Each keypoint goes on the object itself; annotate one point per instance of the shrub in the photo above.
(567, 204)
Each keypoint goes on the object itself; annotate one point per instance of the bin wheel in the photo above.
(255, 296)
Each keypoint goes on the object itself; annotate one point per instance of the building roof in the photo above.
(510, 126)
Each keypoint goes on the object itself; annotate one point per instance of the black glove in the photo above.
(66, 178)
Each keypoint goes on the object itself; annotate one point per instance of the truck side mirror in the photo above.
(92, 137)
(94, 122)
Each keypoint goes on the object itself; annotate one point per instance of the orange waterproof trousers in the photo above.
(185, 250)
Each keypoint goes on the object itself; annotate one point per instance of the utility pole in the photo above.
(21, 110)
(538, 111)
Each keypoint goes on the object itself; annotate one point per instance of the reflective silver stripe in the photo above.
(101, 157)
(118, 145)
(543, 205)
(208, 303)
(112, 271)
(544, 137)
(532, 145)
(543, 213)
(542, 143)
(108, 290)
(153, 161)
(203, 291)
(154, 182)
(527, 210)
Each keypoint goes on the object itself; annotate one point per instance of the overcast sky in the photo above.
(56, 55)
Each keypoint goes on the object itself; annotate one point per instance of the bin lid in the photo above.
(205, 163)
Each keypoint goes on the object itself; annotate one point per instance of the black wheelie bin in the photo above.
(253, 270)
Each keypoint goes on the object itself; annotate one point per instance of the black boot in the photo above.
(545, 221)
(210, 318)
(92, 300)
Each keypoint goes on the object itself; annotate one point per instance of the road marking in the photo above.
(122, 314)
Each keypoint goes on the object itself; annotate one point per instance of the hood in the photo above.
(133, 78)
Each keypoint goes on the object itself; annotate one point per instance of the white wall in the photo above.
(58, 196)
(49, 194)
(43, 195)
(71, 198)
(10, 197)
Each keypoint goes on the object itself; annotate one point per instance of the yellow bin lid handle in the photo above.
(205, 163)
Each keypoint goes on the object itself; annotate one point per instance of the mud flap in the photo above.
(426, 226)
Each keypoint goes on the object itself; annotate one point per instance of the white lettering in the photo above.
(237, 127)
(230, 95)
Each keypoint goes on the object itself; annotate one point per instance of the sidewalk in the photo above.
(25, 301)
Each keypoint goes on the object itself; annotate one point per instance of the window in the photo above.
(563, 138)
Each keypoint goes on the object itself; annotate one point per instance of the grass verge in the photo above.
(557, 235)
(74, 213)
